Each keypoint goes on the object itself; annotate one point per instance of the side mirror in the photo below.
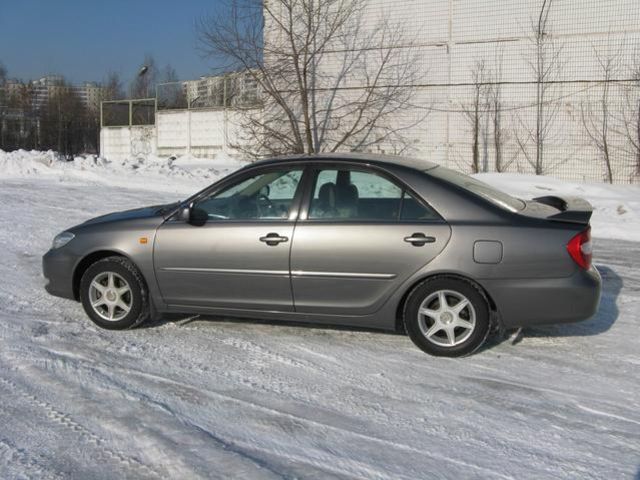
(184, 215)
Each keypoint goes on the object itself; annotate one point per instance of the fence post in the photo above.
(155, 123)
(224, 115)
(188, 131)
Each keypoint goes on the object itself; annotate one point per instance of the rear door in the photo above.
(234, 253)
(360, 235)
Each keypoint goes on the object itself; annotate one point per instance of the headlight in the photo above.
(62, 239)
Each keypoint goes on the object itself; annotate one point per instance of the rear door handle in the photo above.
(419, 239)
(272, 239)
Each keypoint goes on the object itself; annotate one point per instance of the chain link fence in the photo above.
(18, 129)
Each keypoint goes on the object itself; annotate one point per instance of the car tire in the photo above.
(114, 294)
(447, 317)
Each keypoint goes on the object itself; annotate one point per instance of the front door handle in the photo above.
(419, 239)
(273, 239)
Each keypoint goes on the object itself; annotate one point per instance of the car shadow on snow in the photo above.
(183, 320)
(602, 321)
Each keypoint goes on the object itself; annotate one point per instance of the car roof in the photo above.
(364, 158)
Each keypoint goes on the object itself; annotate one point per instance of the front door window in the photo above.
(264, 197)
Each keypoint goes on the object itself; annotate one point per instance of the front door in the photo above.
(234, 252)
(363, 236)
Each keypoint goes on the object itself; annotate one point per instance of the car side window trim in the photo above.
(310, 177)
(240, 177)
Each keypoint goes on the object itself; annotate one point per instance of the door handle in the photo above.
(419, 239)
(273, 239)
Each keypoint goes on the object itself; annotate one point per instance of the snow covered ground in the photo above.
(215, 398)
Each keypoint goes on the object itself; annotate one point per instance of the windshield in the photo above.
(479, 188)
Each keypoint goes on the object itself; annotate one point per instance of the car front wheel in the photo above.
(114, 294)
(447, 317)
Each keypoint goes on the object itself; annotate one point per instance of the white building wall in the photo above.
(451, 36)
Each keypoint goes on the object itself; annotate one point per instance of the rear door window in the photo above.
(357, 195)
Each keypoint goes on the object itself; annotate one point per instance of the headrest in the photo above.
(327, 194)
(347, 195)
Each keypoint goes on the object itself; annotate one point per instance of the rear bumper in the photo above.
(57, 268)
(526, 302)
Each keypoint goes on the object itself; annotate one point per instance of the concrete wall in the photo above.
(201, 133)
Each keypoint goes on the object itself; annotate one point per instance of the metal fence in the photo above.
(18, 129)
(127, 113)
(234, 90)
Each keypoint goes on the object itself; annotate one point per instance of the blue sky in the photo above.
(85, 39)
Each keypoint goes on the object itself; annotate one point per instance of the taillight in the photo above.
(579, 247)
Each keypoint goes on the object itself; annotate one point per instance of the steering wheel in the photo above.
(264, 205)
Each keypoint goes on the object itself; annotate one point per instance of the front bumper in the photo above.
(57, 268)
(527, 302)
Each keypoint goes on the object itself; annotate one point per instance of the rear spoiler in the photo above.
(572, 209)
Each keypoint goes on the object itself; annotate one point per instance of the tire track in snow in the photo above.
(123, 383)
(33, 465)
(80, 368)
(179, 389)
(66, 421)
(242, 449)
(316, 423)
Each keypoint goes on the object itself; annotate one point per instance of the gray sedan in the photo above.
(358, 240)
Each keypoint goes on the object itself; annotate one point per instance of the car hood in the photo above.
(135, 214)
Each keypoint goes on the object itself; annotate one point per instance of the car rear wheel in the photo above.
(447, 317)
(114, 294)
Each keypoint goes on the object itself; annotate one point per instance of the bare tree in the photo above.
(546, 66)
(3, 81)
(597, 119)
(21, 129)
(113, 87)
(476, 110)
(63, 121)
(3, 103)
(630, 115)
(327, 81)
(170, 91)
(496, 107)
(3, 74)
(168, 74)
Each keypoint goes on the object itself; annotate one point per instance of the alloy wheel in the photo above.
(110, 296)
(446, 318)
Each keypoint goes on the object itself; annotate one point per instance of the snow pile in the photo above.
(21, 163)
(155, 173)
(616, 207)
